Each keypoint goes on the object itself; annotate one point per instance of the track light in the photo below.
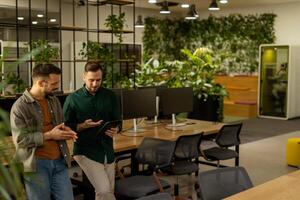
(213, 6)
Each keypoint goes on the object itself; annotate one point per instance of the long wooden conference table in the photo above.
(127, 142)
(286, 187)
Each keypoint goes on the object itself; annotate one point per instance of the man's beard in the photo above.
(52, 92)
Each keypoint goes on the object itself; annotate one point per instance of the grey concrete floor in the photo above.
(264, 160)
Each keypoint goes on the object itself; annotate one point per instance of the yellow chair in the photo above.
(293, 152)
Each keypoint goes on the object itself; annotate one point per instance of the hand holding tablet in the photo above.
(109, 125)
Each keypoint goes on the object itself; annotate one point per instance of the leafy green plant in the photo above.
(43, 52)
(195, 69)
(17, 83)
(10, 79)
(10, 177)
(95, 51)
(116, 24)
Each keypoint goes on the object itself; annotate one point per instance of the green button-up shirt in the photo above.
(80, 106)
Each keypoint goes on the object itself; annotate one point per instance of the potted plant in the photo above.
(199, 70)
(43, 52)
(196, 71)
(10, 83)
(13, 84)
(92, 50)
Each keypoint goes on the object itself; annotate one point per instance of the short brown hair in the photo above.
(44, 70)
(92, 66)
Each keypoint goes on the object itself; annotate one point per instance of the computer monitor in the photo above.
(158, 107)
(176, 100)
(137, 104)
(118, 92)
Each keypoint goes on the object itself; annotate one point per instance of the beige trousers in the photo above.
(101, 176)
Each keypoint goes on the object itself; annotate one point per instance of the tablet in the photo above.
(108, 125)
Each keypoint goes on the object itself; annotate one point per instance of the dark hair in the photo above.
(92, 66)
(44, 70)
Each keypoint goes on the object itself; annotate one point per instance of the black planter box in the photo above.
(209, 110)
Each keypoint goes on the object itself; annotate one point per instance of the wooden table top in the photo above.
(127, 141)
(286, 187)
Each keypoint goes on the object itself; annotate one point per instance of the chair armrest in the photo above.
(203, 154)
(118, 170)
(158, 182)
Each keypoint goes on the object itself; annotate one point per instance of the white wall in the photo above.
(287, 27)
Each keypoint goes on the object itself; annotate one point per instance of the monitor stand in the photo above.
(155, 121)
(157, 112)
(135, 128)
(174, 124)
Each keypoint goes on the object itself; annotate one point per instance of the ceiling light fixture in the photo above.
(53, 20)
(20, 18)
(213, 6)
(192, 13)
(139, 23)
(223, 1)
(34, 22)
(40, 15)
(185, 5)
(164, 8)
(152, 1)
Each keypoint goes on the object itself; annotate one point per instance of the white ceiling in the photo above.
(203, 4)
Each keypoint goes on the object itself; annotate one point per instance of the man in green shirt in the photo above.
(85, 111)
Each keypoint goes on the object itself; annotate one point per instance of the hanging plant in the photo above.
(115, 23)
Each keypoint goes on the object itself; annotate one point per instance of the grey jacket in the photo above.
(26, 119)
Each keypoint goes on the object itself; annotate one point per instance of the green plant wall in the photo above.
(235, 39)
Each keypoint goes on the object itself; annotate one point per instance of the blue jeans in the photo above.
(50, 179)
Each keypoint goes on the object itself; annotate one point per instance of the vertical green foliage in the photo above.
(234, 39)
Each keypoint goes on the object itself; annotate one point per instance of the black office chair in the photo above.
(227, 137)
(158, 196)
(223, 182)
(155, 153)
(186, 152)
